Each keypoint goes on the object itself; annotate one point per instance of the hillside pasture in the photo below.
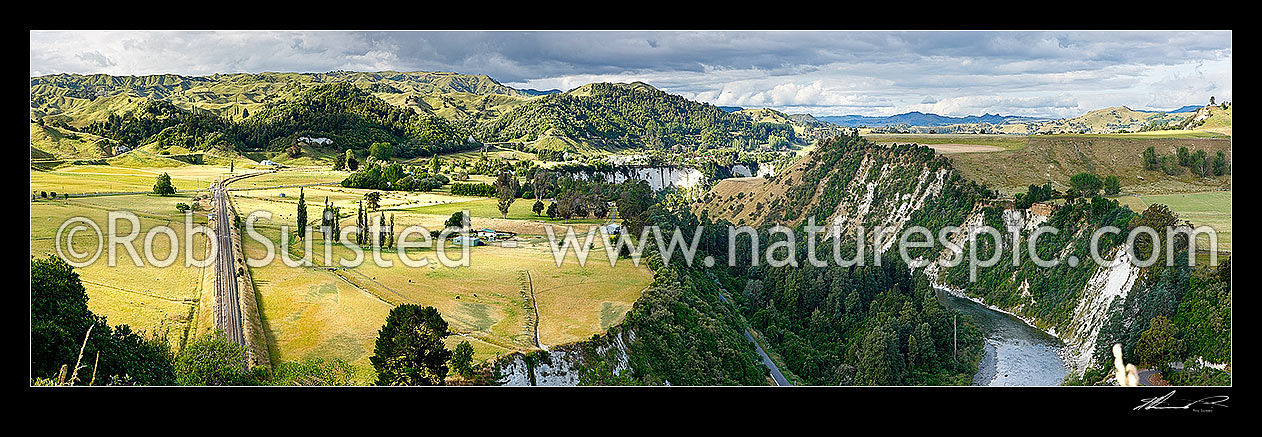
(1211, 208)
(1054, 158)
(954, 143)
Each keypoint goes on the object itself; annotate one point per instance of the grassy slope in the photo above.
(1211, 208)
(1055, 158)
(1006, 142)
(59, 143)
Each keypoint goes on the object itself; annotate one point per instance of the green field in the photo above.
(474, 155)
(1212, 208)
(1168, 134)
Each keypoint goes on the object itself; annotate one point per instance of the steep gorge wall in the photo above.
(569, 364)
(1090, 308)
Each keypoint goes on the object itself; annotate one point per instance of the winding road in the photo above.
(766, 360)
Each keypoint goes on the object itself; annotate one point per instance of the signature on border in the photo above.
(1167, 402)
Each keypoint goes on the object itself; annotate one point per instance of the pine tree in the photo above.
(360, 224)
(381, 230)
(302, 214)
(409, 348)
(328, 220)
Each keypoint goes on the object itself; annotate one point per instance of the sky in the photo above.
(956, 73)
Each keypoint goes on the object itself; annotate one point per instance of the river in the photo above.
(1016, 354)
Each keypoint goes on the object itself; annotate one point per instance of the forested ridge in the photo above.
(350, 116)
(625, 115)
(249, 116)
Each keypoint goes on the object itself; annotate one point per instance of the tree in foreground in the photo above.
(1151, 160)
(462, 360)
(213, 360)
(61, 321)
(457, 220)
(1220, 164)
(339, 163)
(409, 349)
(329, 220)
(163, 186)
(381, 151)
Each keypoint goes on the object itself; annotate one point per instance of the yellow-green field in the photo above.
(149, 298)
(488, 207)
(79, 179)
(298, 176)
(1211, 208)
(313, 312)
(316, 312)
(1005, 142)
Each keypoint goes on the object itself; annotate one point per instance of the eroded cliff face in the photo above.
(1113, 280)
(1109, 282)
(860, 205)
(569, 364)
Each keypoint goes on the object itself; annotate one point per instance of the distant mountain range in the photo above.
(915, 118)
(535, 92)
(1188, 108)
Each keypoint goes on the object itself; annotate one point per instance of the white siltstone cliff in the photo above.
(560, 366)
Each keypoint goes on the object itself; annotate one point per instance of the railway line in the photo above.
(227, 310)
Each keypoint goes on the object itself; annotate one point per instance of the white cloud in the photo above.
(826, 73)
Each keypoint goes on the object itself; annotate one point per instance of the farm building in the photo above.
(492, 234)
(268, 162)
(465, 240)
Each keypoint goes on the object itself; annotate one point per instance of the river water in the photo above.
(1016, 354)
